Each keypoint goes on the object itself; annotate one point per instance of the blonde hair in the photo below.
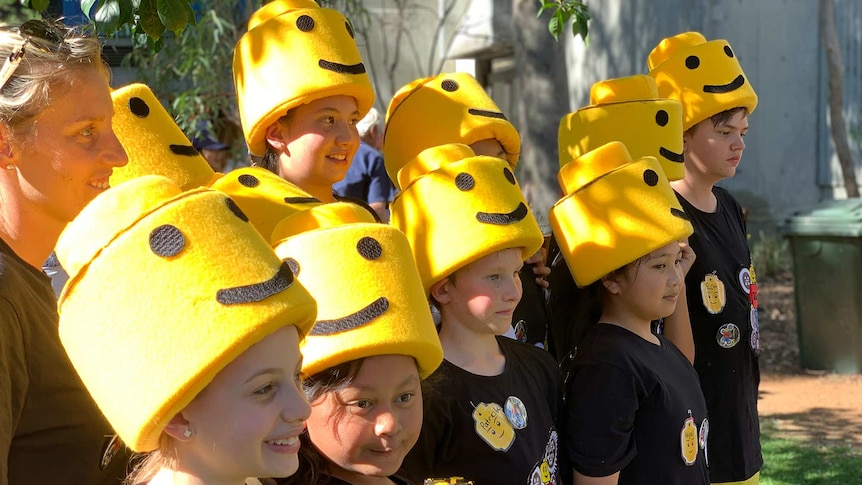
(45, 67)
(149, 464)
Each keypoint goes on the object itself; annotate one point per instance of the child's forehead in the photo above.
(497, 258)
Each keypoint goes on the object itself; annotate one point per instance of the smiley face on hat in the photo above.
(457, 207)
(615, 210)
(202, 287)
(704, 76)
(153, 141)
(448, 108)
(366, 284)
(627, 110)
(286, 37)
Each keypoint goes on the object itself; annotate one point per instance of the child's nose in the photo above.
(387, 424)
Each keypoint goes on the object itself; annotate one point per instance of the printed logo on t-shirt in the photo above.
(728, 335)
(516, 412)
(745, 279)
(703, 439)
(520, 331)
(712, 293)
(754, 340)
(493, 426)
(752, 293)
(545, 471)
(112, 446)
(688, 440)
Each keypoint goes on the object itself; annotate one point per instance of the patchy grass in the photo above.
(795, 461)
(770, 253)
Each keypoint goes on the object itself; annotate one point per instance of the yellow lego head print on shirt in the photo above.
(165, 289)
(630, 111)
(705, 76)
(293, 53)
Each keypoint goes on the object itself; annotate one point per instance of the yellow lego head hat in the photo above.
(614, 211)
(704, 76)
(448, 108)
(202, 287)
(293, 53)
(264, 197)
(154, 142)
(627, 110)
(379, 309)
(457, 207)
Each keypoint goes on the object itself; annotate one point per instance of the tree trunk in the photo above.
(541, 84)
(836, 96)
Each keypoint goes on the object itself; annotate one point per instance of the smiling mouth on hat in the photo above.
(258, 291)
(500, 219)
(486, 113)
(342, 68)
(365, 315)
(725, 88)
(672, 156)
(678, 213)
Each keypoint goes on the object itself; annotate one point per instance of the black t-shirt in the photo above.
(721, 288)
(636, 407)
(328, 480)
(492, 429)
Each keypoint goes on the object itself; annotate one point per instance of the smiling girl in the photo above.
(301, 126)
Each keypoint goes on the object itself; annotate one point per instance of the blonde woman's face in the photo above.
(247, 421)
(67, 154)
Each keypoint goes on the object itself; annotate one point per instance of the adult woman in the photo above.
(57, 151)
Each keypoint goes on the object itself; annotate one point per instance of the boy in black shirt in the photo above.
(722, 290)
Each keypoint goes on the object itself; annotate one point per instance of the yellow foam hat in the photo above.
(614, 211)
(200, 287)
(379, 308)
(448, 108)
(153, 141)
(704, 76)
(264, 197)
(457, 207)
(293, 53)
(627, 110)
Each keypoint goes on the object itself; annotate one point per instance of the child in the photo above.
(454, 108)
(628, 110)
(634, 408)
(195, 357)
(722, 291)
(301, 126)
(470, 230)
(372, 345)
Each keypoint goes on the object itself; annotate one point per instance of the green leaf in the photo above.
(172, 13)
(149, 19)
(107, 17)
(87, 6)
(555, 26)
(37, 5)
(190, 13)
(579, 27)
(126, 12)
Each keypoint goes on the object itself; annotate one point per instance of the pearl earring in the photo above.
(188, 433)
(9, 166)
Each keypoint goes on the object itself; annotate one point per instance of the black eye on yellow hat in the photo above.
(448, 108)
(704, 76)
(614, 211)
(457, 207)
(202, 287)
(293, 53)
(627, 110)
(365, 281)
(153, 141)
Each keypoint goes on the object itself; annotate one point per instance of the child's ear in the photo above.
(276, 136)
(179, 428)
(440, 291)
(611, 284)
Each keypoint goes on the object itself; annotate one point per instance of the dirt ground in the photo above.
(819, 407)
